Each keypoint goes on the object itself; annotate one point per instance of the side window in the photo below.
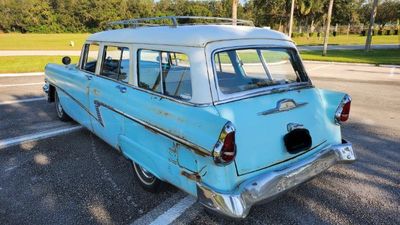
(90, 55)
(115, 63)
(149, 76)
(165, 72)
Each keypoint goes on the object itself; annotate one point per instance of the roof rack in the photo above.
(173, 21)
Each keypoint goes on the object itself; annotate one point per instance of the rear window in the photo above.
(246, 69)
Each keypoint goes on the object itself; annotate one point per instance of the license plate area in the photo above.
(297, 140)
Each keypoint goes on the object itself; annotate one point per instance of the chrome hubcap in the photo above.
(59, 107)
(144, 175)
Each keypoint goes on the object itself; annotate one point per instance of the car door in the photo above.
(107, 92)
(75, 86)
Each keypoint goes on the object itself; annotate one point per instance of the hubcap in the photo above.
(144, 175)
(59, 107)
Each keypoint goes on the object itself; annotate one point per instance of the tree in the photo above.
(387, 12)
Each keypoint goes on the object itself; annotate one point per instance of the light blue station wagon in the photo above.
(226, 113)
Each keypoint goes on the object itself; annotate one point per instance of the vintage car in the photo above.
(224, 112)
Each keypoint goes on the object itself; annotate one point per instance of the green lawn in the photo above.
(16, 41)
(387, 56)
(20, 64)
(348, 40)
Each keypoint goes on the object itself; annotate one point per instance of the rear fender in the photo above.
(331, 100)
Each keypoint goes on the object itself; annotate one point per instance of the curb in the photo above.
(353, 64)
(21, 74)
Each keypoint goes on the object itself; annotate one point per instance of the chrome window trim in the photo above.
(111, 44)
(225, 98)
(162, 95)
(276, 89)
(78, 66)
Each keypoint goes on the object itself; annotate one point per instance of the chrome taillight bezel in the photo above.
(217, 152)
(346, 99)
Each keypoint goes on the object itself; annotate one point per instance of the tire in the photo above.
(147, 180)
(61, 114)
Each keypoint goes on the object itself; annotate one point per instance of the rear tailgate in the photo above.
(260, 130)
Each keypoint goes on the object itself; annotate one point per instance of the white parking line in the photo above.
(22, 101)
(18, 85)
(173, 213)
(21, 74)
(159, 209)
(38, 136)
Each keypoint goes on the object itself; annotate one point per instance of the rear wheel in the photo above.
(61, 114)
(147, 180)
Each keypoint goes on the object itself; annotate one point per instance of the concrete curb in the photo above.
(353, 64)
(21, 74)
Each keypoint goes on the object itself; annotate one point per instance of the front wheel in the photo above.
(61, 114)
(147, 180)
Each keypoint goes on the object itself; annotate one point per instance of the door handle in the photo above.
(89, 77)
(122, 89)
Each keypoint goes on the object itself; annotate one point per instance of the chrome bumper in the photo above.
(265, 187)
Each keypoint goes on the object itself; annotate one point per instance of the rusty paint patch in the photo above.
(191, 176)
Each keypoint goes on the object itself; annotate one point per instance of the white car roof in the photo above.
(186, 35)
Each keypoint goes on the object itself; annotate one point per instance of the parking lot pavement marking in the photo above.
(173, 213)
(160, 209)
(21, 74)
(22, 101)
(18, 85)
(5, 143)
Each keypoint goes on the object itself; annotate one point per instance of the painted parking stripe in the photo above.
(5, 143)
(22, 101)
(18, 85)
(21, 74)
(160, 209)
(173, 213)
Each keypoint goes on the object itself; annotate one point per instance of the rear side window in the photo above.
(167, 73)
(247, 69)
(115, 64)
(89, 57)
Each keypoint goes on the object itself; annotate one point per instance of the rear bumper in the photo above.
(267, 186)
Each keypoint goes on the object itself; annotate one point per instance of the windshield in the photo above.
(246, 69)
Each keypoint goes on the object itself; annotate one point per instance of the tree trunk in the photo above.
(291, 19)
(328, 24)
(371, 24)
(234, 12)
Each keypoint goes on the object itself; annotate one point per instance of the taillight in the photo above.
(225, 149)
(343, 111)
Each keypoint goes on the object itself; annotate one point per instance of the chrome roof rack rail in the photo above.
(173, 21)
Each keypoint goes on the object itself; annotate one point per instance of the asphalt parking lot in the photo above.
(76, 178)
